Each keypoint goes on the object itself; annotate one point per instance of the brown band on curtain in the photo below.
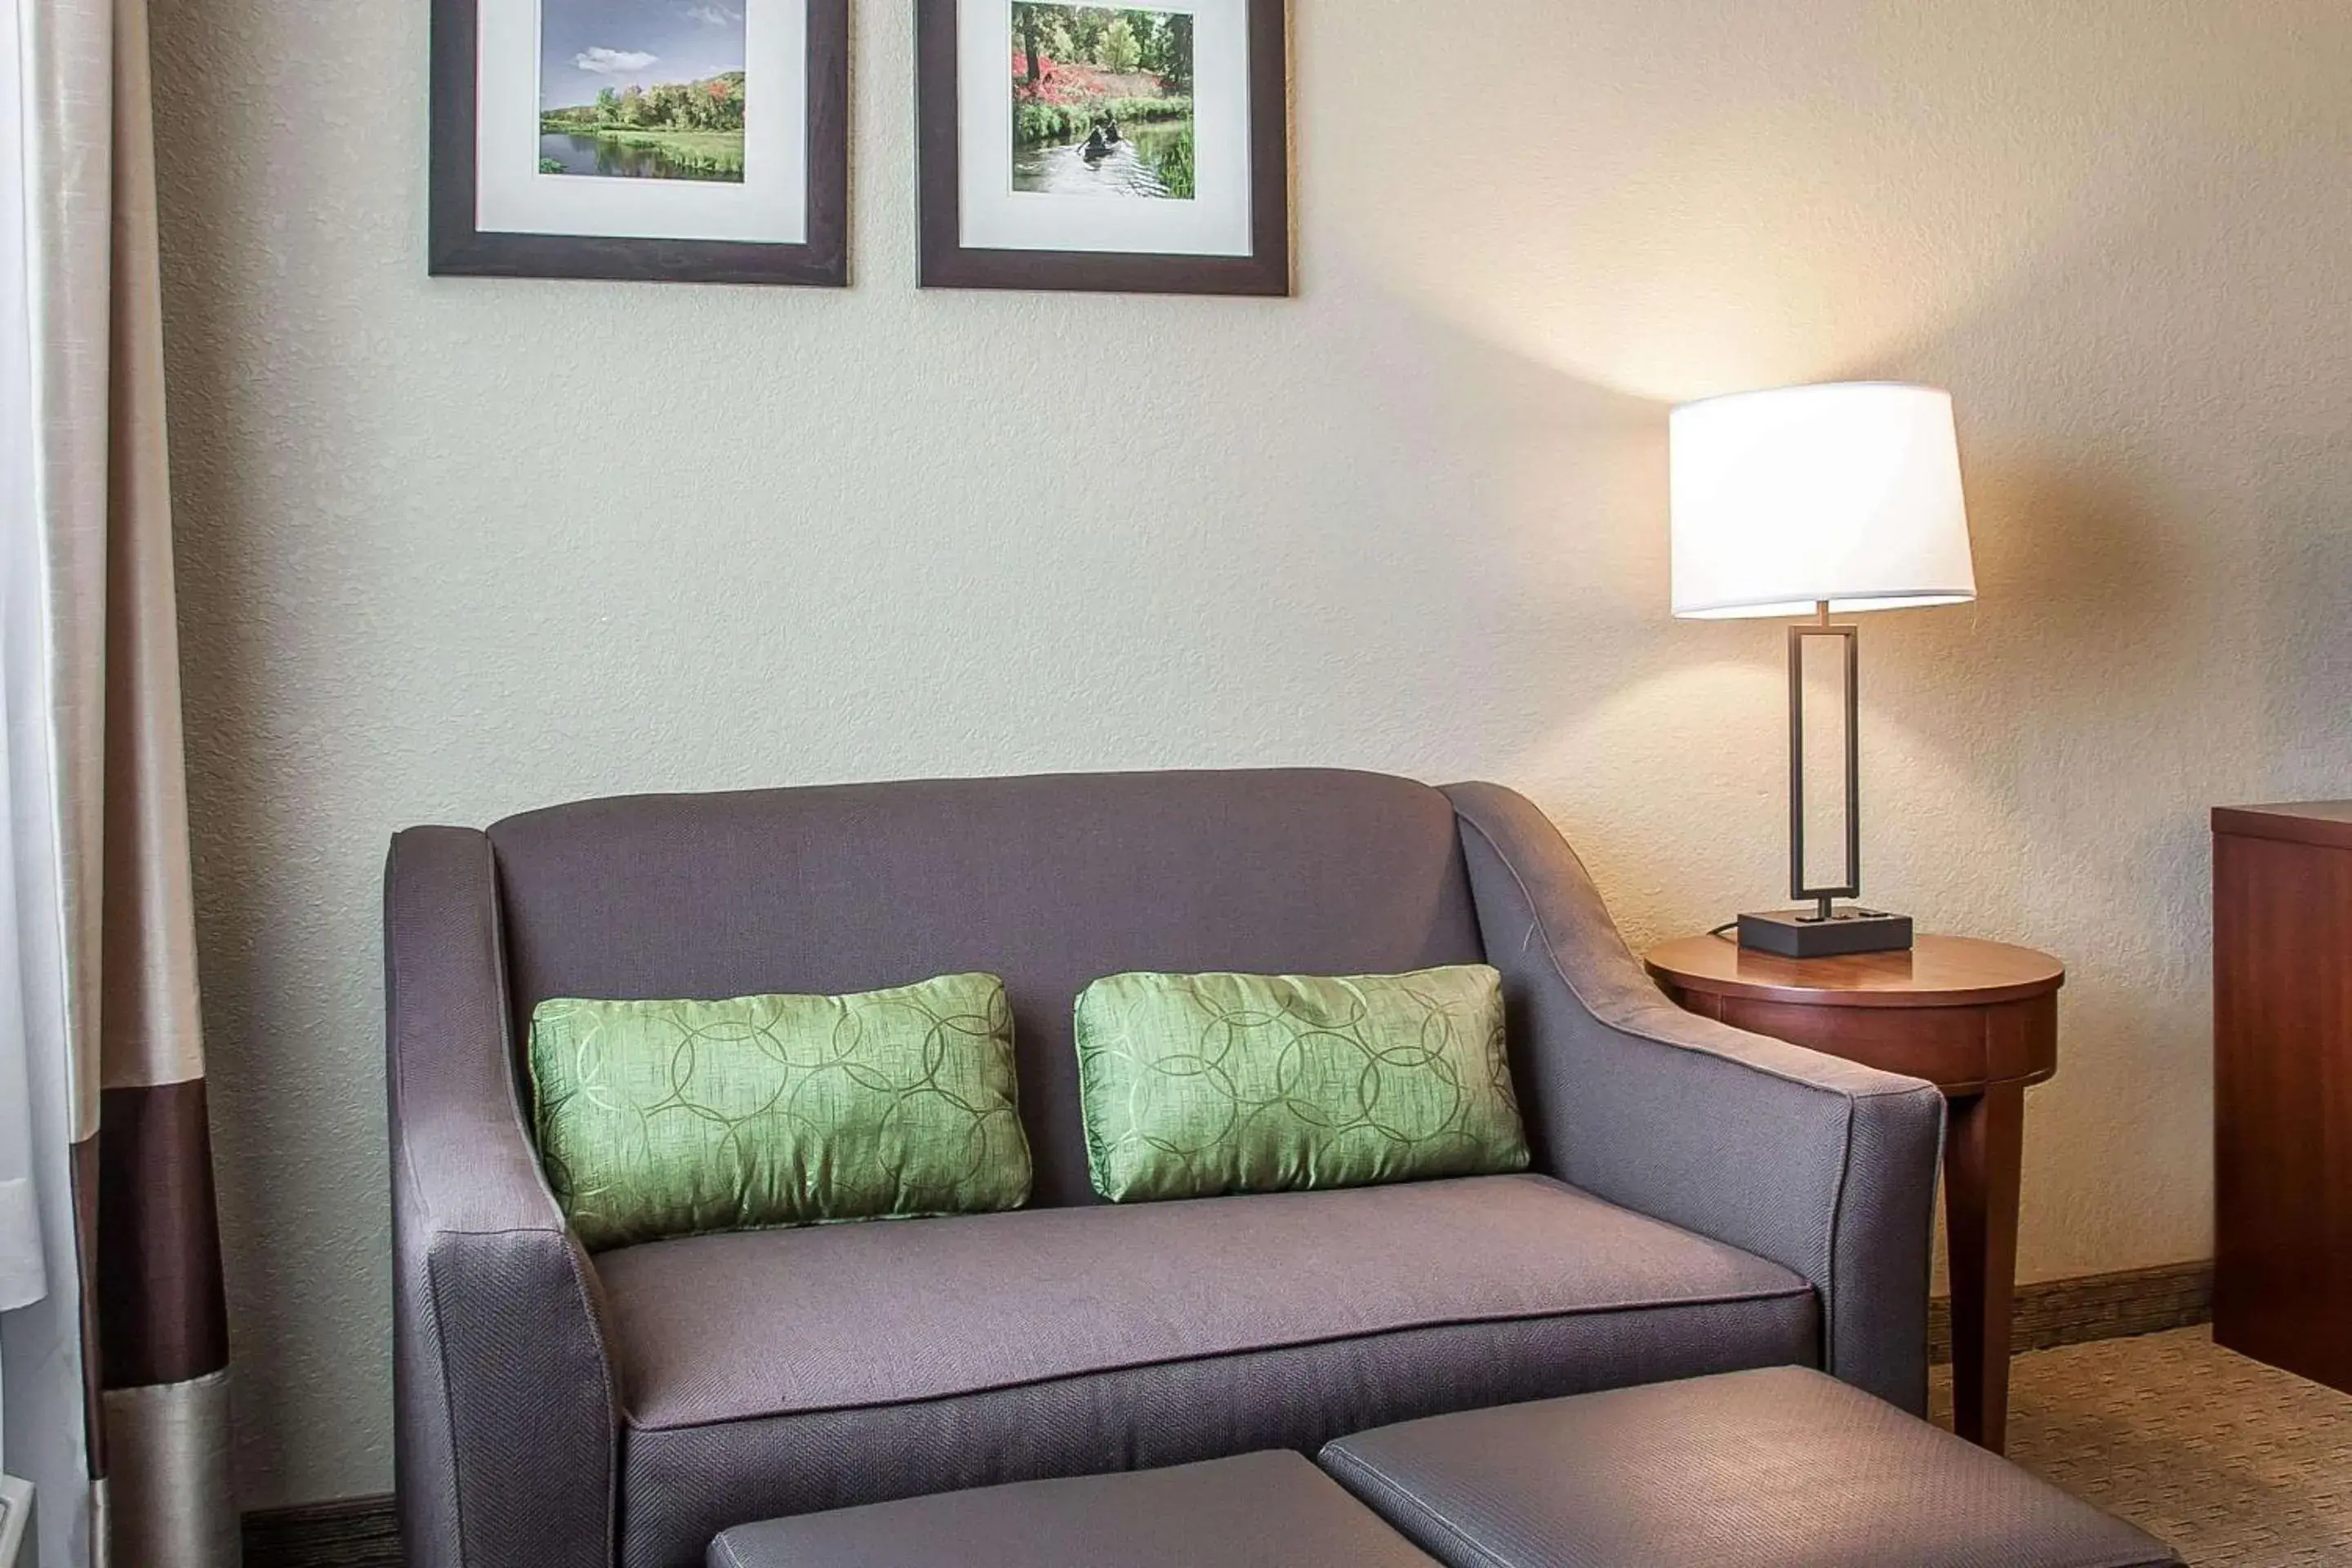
(83, 1178)
(162, 1314)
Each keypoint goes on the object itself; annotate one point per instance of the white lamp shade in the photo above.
(1846, 494)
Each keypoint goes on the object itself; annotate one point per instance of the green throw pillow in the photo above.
(1200, 1084)
(660, 1118)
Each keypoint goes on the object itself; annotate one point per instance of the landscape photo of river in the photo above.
(631, 90)
(1102, 102)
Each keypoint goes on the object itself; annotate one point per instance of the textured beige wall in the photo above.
(454, 548)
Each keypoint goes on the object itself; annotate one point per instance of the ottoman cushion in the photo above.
(1259, 1510)
(1778, 1469)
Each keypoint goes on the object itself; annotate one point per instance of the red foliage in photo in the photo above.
(1057, 83)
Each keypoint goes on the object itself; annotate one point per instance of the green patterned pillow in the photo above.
(660, 1118)
(1199, 1084)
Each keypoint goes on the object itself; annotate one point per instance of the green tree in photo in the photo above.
(1151, 40)
(1121, 52)
(1166, 51)
(693, 125)
(1177, 52)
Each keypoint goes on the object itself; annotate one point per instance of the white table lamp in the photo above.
(1802, 501)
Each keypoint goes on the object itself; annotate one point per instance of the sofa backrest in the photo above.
(1050, 882)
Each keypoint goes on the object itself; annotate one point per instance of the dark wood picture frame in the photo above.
(456, 247)
(946, 263)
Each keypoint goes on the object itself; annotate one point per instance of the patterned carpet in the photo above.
(2232, 1462)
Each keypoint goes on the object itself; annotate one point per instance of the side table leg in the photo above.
(1983, 1150)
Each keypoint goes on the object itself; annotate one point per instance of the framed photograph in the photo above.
(1141, 149)
(683, 141)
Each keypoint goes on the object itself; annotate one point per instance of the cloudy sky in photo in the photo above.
(588, 45)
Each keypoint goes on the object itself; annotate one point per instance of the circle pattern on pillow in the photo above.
(1200, 1084)
(662, 1119)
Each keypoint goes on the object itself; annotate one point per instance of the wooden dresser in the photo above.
(2282, 1085)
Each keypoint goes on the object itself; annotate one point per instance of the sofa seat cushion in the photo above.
(784, 1372)
(725, 1328)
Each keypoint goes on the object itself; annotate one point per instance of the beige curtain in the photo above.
(155, 1341)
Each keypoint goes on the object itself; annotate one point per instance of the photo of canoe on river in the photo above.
(1102, 102)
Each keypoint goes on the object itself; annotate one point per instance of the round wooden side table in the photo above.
(1977, 1019)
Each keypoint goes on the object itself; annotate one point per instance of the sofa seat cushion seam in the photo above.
(1409, 1504)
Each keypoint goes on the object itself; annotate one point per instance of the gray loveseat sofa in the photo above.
(1702, 1199)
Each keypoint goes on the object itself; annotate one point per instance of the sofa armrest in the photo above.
(505, 1413)
(1823, 1166)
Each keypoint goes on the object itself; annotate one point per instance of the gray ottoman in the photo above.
(1260, 1511)
(1783, 1468)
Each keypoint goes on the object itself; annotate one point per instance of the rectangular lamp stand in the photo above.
(1824, 930)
